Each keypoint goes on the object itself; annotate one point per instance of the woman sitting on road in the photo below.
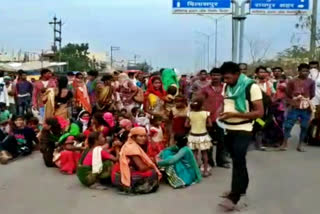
(49, 135)
(98, 124)
(136, 172)
(96, 163)
(179, 164)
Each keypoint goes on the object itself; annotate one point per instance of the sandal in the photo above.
(283, 149)
(225, 194)
(228, 205)
(301, 150)
(206, 174)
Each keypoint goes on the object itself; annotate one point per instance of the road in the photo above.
(280, 183)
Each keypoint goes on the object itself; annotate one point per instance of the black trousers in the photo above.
(10, 144)
(217, 134)
(237, 143)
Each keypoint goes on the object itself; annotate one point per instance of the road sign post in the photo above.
(201, 6)
(279, 7)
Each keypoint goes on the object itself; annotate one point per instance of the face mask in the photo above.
(85, 120)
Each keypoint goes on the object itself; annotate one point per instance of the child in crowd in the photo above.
(178, 116)
(33, 123)
(171, 94)
(67, 156)
(157, 140)
(124, 113)
(122, 134)
(199, 138)
(134, 112)
(142, 120)
(170, 104)
(4, 117)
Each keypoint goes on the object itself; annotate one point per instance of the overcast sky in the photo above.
(144, 27)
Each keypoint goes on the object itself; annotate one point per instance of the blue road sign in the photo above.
(201, 6)
(281, 7)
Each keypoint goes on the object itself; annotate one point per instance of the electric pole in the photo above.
(135, 58)
(313, 36)
(57, 34)
(113, 48)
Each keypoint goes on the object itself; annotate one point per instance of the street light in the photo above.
(208, 46)
(216, 35)
(202, 56)
(113, 48)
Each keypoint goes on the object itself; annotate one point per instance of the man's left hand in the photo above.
(226, 115)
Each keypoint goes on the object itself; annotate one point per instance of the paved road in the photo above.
(281, 183)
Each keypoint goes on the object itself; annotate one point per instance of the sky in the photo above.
(143, 27)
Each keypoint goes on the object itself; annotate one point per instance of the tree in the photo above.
(305, 23)
(76, 55)
(258, 49)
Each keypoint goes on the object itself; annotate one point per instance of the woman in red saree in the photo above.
(155, 97)
(81, 95)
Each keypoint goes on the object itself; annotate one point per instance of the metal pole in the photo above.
(208, 53)
(111, 58)
(216, 45)
(242, 19)
(235, 31)
(313, 29)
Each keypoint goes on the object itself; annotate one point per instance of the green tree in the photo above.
(76, 55)
(305, 24)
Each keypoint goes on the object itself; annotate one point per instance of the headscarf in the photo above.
(161, 93)
(129, 149)
(122, 78)
(108, 117)
(125, 123)
(169, 77)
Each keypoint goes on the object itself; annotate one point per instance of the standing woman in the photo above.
(63, 98)
(127, 91)
(105, 94)
(155, 97)
(81, 95)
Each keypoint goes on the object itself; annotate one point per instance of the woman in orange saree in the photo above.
(81, 96)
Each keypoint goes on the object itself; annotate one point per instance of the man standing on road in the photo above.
(24, 92)
(201, 83)
(243, 68)
(277, 74)
(242, 104)
(300, 92)
(213, 102)
(40, 87)
(315, 76)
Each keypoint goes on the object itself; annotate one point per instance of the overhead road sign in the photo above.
(279, 7)
(202, 6)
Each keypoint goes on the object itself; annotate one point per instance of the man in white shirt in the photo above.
(3, 90)
(10, 95)
(315, 76)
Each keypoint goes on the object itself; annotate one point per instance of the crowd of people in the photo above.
(132, 129)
